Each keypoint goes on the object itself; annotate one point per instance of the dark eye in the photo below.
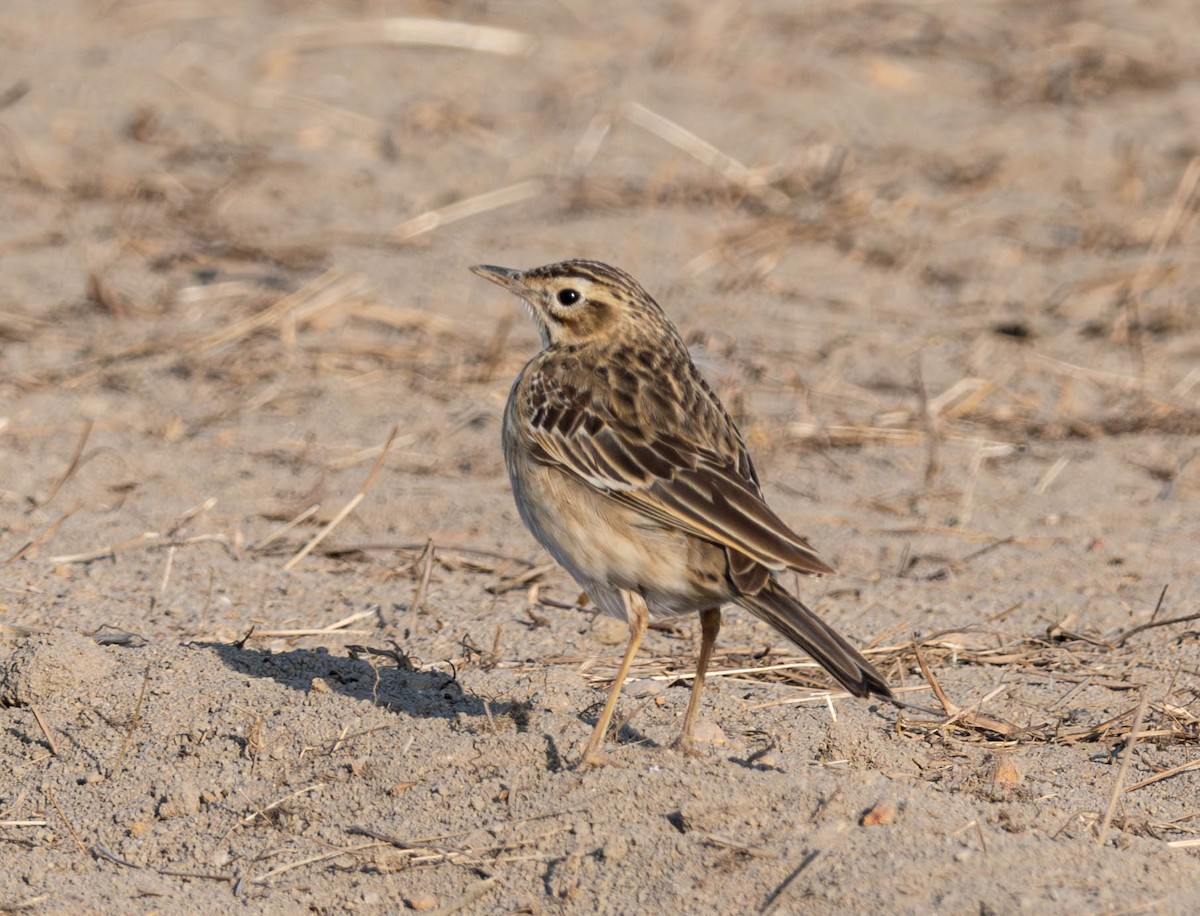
(568, 296)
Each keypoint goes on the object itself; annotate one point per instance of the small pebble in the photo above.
(879, 814)
(1007, 774)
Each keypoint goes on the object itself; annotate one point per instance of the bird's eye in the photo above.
(568, 296)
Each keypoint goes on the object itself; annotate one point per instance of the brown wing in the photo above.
(666, 476)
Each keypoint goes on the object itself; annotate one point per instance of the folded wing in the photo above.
(672, 480)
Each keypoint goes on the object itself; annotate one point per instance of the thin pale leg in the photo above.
(638, 618)
(710, 626)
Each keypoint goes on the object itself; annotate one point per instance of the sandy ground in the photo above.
(938, 258)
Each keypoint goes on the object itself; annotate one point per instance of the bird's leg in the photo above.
(638, 617)
(710, 626)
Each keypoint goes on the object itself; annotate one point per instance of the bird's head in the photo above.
(579, 301)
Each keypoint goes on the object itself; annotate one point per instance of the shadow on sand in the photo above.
(380, 679)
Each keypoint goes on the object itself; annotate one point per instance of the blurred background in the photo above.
(248, 225)
(939, 259)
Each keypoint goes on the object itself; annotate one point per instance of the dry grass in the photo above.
(1092, 674)
(263, 318)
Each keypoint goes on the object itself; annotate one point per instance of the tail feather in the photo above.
(812, 634)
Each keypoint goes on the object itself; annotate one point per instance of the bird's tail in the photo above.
(812, 634)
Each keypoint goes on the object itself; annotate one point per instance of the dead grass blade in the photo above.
(431, 851)
(526, 577)
(44, 535)
(46, 733)
(430, 220)
(262, 812)
(72, 465)
(286, 527)
(1126, 758)
(312, 860)
(135, 719)
(471, 206)
(959, 714)
(913, 434)
(1165, 774)
(737, 174)
(426, 562)
(1082, 662)
(70, 829)
(346, 509)
(404, 30)
(144, 541)
(1129, 324)
(1154, 624)
(326, 290)
(339, 627)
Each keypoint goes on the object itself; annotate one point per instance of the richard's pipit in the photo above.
(627, 468)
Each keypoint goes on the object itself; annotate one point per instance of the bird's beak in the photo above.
(511, 280)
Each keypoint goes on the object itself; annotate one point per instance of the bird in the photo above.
(630, 472)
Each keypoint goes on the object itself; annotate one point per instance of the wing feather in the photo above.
(671, 480)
